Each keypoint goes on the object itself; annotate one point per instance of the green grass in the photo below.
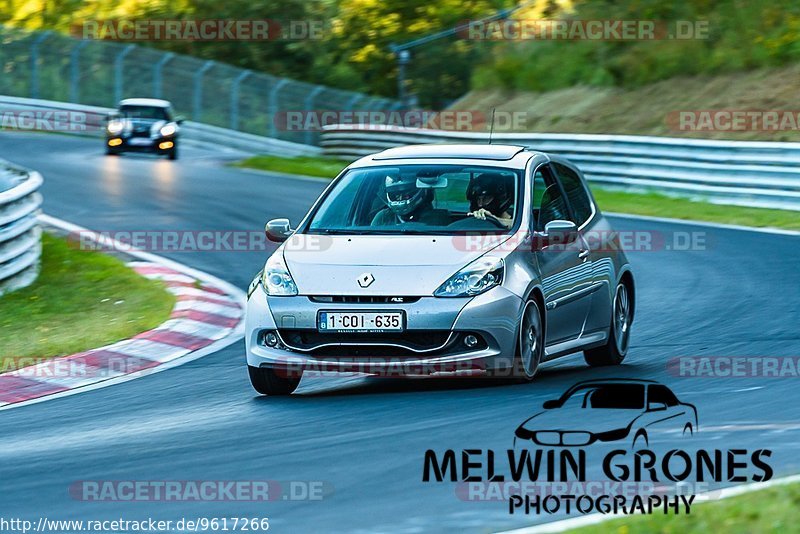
(81, 300)
(656, 205)
(772, 510)
(308, 166)
(652, 204)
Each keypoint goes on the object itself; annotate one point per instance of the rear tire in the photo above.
(267, 382)
(530, 343)
(616, 347)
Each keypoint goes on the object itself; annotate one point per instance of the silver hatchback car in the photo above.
(441, 259)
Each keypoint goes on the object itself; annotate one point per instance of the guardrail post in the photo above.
(235, 98)
(198, 90)
(273, 106)
(35, 63)
(75, 72)
(118, 71)
(157, 73)
(308, 105)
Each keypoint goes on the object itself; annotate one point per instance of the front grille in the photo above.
(409, 343)
(364, 299)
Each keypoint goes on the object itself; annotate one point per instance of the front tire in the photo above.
(172, 155)
(267, 382)
(616, 347)
(530, 345)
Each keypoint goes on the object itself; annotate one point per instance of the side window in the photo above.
(576, 193)
(548, 202)
(662, 394)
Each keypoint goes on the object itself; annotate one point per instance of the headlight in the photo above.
(477, 277)
(276, 278)
(168, 129)
(114, 127)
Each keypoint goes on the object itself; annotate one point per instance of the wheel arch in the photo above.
(535, 292)
(626, 277)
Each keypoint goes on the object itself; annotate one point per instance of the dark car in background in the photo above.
(143, 125)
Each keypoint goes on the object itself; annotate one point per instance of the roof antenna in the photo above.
(491, 128)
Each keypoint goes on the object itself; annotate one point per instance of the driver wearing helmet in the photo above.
(407, 203)
(488, 197)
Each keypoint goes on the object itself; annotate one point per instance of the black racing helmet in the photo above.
(489, 184)
(402, 194)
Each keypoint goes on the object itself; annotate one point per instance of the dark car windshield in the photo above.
(607, 396)
(420, 199)
(144, 112)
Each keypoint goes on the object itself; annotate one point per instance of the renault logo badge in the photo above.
(366, 279)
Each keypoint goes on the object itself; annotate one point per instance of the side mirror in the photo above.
(278, 230)
(559, 232)
(179, 119)
(550, 404)
(656, 406)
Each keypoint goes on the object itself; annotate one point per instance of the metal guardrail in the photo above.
(20, 235)
(750, 173)
(47, 65)
(90, 120)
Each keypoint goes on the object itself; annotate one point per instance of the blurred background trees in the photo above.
(355, 52)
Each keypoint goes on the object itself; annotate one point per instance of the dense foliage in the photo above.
(355, 51)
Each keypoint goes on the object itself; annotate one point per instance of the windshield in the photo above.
(144, 112)
(423, 199)
(607, 396)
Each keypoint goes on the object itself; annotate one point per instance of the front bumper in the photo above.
(158, 145)
(492, 317)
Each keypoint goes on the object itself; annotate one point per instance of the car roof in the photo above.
(460, 151)
(155, 102)
(508, 155)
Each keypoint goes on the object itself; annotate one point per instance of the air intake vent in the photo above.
(365, 299)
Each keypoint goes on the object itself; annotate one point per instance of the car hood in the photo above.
(401, 265)
(593, 420)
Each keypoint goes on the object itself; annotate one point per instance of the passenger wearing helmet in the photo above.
(488, 197)
(407, 203)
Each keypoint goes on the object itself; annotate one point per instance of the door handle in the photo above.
(583, 254)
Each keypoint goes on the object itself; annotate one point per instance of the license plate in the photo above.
(140, 141)
(355, 321)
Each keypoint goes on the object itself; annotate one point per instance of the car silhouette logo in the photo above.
(614, 409)
(366, 279)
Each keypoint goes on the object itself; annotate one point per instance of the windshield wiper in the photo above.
(330, 231)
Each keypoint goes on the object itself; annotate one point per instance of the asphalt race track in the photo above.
(365, 437)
